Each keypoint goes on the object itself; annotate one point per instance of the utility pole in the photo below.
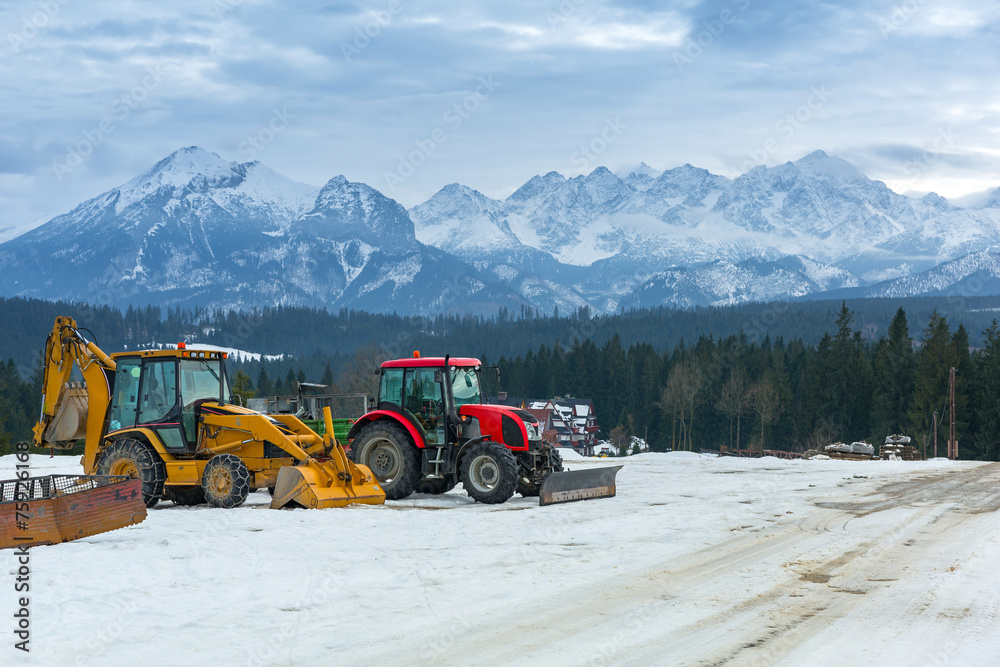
(952, 442)
(935, 435)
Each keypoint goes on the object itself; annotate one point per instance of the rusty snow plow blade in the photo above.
(565, 487)
(60, 508)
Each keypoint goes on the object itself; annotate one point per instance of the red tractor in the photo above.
(431, 430)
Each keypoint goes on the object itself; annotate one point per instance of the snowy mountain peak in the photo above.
(821, 165)
(345, 209)
(642, 169)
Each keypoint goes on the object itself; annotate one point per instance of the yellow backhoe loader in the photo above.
(162, 416)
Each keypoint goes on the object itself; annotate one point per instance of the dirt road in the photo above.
(879, 578)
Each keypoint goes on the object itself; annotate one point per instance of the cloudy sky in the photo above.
(409, 96)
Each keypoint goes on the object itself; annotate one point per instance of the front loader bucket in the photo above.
(318, 484)
(60, 508)
(565, 487)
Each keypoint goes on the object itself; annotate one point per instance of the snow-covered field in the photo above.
(698, 561)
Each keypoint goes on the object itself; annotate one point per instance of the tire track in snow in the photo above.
(694, 613)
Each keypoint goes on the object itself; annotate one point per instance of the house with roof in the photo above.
(566, 421)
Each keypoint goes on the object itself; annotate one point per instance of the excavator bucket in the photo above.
(330, 481)
(318, 484)
(565, 487)
(59, 508)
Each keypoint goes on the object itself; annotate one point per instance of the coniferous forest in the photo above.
(768, 376)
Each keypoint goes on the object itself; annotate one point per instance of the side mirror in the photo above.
(437, 376)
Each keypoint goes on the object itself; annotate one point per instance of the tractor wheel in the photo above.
(392, 457)
(527, 488)
(136, 459)
(435, 486)
(185, 495)
(226, 481)
(489, 473)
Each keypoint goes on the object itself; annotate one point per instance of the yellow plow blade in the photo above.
(318, 484)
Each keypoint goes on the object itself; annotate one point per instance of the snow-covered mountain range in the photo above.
(198, 230)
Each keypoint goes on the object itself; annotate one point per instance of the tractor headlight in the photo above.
(534, 431)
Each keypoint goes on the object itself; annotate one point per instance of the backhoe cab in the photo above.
(431, 430)
(162, 416)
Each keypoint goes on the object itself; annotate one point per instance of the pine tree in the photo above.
(930, 392)
(328, 379)
(893, 378)
(989, 395)
(243, 387)
(264, 385)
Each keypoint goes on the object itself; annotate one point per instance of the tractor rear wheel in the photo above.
(185, 495)
(392, 457)
(489, 473)
(136, 459)
(226, 481)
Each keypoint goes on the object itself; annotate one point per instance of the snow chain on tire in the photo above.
(143, 459)
(226, 481)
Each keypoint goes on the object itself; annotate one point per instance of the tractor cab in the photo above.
(426, 391)
(163, 390)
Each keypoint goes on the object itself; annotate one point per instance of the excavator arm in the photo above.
(70, 413)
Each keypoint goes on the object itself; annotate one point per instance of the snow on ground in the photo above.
(232, 351)
(697, 561)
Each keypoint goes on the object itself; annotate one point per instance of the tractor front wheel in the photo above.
(526, 485)
(489, 473)
(392, 457)
(226, 481)
(136, 459)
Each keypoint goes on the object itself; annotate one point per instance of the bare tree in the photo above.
(733, 401)
(766, 404)
(680, 396)
(360, 375)
(619, 439)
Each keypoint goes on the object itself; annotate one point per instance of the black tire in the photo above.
(489, 473)
(391, 455)
(226, 481)
(435, 486)
(136, 459)
(527, 488)
(185, 495)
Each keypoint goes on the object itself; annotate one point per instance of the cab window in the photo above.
(126, 396)
(391, 388)
(157, 390)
